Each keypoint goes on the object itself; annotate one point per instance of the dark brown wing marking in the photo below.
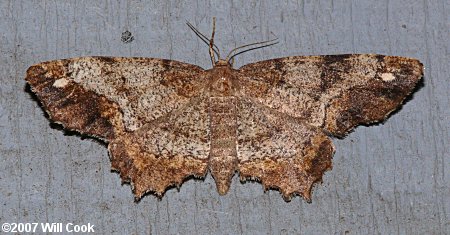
(103, 95)
(336, 92)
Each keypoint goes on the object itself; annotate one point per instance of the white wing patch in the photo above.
(387, 77)
(60, 83)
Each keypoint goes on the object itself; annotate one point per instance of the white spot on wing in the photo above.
(387, 77)
(62, 82)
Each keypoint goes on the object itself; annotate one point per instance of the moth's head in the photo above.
(229, 60)
(222, 62)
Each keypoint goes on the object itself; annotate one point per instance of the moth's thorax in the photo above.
(222, 80)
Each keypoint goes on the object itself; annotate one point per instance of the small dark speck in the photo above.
(404, 26)
(127, 37)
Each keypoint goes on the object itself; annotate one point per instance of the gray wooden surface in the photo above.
(391, 178)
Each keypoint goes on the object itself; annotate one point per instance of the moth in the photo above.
(271, 121)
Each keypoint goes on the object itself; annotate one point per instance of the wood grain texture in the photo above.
(387, 179)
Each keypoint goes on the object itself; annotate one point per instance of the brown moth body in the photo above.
(223, 159)
(271, 121)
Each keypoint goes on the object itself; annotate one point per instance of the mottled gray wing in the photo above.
(334, 92)
(163, 153)
(280, 151)
(104, 96)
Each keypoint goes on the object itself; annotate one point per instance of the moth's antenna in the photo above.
(204, 38)
(271, 42)
(211, 43)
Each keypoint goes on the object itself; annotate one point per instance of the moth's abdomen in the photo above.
(223, 153)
